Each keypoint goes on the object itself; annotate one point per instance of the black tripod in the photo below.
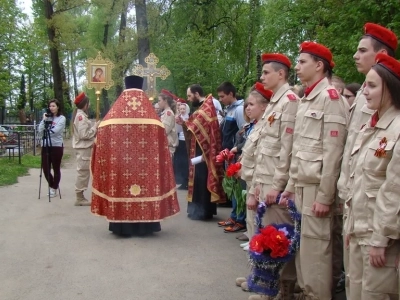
(46, 144)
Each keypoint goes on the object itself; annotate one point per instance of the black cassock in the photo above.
(201, 207)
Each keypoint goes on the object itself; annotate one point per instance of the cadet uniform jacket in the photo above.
(168, 119)
(374, 197)
(248, 160)
(359, 115)
(319, 137)
(84, 132)
(275, 146)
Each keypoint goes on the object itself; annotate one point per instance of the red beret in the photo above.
(180, 100)
(276, 57)
(168, 93)
(79, 98)
(317, 50)
(381, 34)
(389, 63)
(259, 87)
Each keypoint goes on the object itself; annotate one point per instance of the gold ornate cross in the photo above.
(151, 73)
(134, 104)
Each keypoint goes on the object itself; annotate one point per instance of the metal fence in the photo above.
(18, 140)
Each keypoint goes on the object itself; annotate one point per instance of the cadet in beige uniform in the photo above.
(82, 141)
(376, 39)
(168, 106)
(374, 221)
(274, 152)
(256, 103)
(319, 137)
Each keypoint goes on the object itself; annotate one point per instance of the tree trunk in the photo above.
(54, 55)
(104, 94)
(143, 34)
(253, 24)
(73, 68)
(65, 87)
(122, 27)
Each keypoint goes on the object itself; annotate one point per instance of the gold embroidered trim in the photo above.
(124, 121)
(140, 199)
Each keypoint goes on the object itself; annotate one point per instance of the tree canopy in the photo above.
(199, 41)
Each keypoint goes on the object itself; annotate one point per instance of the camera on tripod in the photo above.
(49, 118)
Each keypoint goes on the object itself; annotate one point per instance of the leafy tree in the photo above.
(22, 101)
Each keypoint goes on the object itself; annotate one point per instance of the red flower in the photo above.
(219, 158)
(268, 231)
(224, 155)
(256, 243)
(233, 169)
(275, 241)
(230, 156)
(279, 245)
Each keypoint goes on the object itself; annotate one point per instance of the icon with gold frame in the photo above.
(98, 75)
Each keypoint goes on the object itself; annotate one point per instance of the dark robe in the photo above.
(201, 208)
(202, 137)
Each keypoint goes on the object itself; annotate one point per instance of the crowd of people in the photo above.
(330, 147)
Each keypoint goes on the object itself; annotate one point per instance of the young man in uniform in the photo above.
(319, 137)
(376, 39)
(273, 153)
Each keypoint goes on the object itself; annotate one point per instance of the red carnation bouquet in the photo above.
(230, 183)
(272, 240)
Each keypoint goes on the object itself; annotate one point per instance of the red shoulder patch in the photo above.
(333, 94)
(169, 113)
(80, 118)
(289, 130)
(334, 133)
(292, 97)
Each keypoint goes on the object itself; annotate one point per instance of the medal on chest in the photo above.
(381, 152)
(271, 119)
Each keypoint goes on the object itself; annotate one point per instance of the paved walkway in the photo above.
(56, 251)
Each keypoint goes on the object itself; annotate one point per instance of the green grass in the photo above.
(10, 170)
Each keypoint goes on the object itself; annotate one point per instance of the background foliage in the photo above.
(200, 41)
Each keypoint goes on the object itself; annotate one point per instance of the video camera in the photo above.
(49, 118)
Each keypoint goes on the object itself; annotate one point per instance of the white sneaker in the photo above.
(244, 244)
(246, 248)
(53, 193)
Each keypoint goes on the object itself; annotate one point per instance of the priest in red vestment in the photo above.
(133, 181)
(203, 138)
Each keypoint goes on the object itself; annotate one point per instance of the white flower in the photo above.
(284, 230)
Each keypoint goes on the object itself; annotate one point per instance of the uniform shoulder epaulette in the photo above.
(333, 94)
(292, 97)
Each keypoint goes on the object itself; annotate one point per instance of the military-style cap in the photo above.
(276, 57)
(259, 87)
(168, 93)
(80, 98)
(381, 34)
(389, 63)
(180, 100)
(318, 50)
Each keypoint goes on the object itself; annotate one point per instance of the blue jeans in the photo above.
(241, 218)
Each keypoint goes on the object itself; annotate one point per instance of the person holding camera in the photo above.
(52, 144)
(83, 134)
